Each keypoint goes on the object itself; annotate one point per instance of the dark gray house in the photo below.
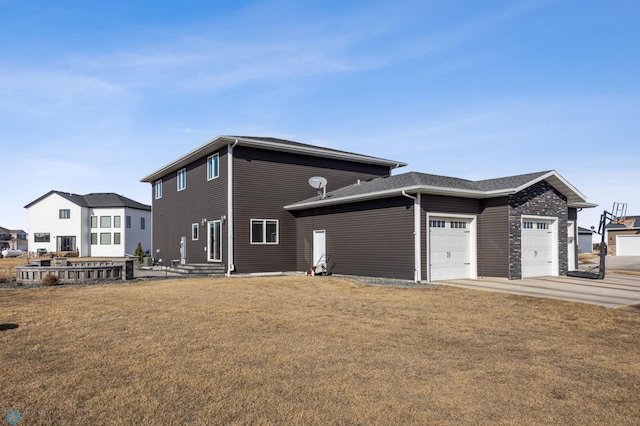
(244, 203)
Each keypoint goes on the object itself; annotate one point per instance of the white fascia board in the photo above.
(210, 146)
(430, 190)
(582, 205)
(321, 152)
(561, 184)
(219, 141)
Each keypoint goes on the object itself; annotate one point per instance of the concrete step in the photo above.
(199, 269)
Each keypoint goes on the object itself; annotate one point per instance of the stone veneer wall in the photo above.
(540, 199)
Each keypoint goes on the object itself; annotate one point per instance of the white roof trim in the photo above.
(576, 201)
(219, 141)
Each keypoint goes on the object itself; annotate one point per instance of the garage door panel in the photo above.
(449, 248)
(628, 245)
(537, 248)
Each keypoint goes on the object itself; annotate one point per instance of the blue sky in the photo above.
(94, 95)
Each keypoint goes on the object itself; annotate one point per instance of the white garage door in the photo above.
(628, 245)
(449, 248)
(537, 248)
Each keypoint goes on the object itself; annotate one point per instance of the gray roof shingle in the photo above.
(413, 179)
(96, 200)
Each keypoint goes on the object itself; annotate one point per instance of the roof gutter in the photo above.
(230, 240)
(417, 236)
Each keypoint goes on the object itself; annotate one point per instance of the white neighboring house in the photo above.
(94, 225)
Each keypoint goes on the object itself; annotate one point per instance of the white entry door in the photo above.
(449, 248)
(537, 247)
(319, 247)
(183, 250)
(214, 241)
(571, 244)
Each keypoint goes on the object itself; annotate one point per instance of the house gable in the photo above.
(60, 221)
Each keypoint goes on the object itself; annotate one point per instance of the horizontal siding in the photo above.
(264, 182)
(493, 239)
(439, 204)
(373, 238)
(174, 213)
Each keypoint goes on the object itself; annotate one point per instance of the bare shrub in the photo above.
(50, 279)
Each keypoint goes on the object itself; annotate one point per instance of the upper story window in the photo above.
(105, 221)
(213, 166)
(116, 222)
(65, 214)
(264, 231)
(158, 187)
(128, 221)
(94, 221)
(182, 179)
(142, 224)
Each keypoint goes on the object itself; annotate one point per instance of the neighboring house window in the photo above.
(128, 221)
(105, 238)
(264, 231)
(65, 214)
(94, 238)
(213, 166)
(116, 238)
(41, 237)
(116, 221)
(182, 179)
(194, 231)
(94, 221)
(105, 221)
(158, 189)
(142, 223)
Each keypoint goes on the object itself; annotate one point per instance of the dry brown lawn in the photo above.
(313, 350)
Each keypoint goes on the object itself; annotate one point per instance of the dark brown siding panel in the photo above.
(174, 213)
(264, 182)
(373, 238)
(455, 205)
(493, 238)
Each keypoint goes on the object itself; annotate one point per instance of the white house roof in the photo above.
(414, 182)
(272, 144)
(95, 200)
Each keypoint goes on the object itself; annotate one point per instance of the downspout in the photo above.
(417, 233)
(230, 265)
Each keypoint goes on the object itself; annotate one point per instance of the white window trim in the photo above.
(264, 231)
(184, 179)
(194, 226)
(158, 189)
(210, 249)
(211, 169)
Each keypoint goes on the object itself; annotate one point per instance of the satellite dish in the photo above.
(317, 182)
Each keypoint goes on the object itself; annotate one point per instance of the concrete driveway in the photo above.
(622, 263)
(614, 290)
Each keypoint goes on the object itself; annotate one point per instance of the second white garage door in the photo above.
(628, 245)
(450, 255)
(537, 247)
